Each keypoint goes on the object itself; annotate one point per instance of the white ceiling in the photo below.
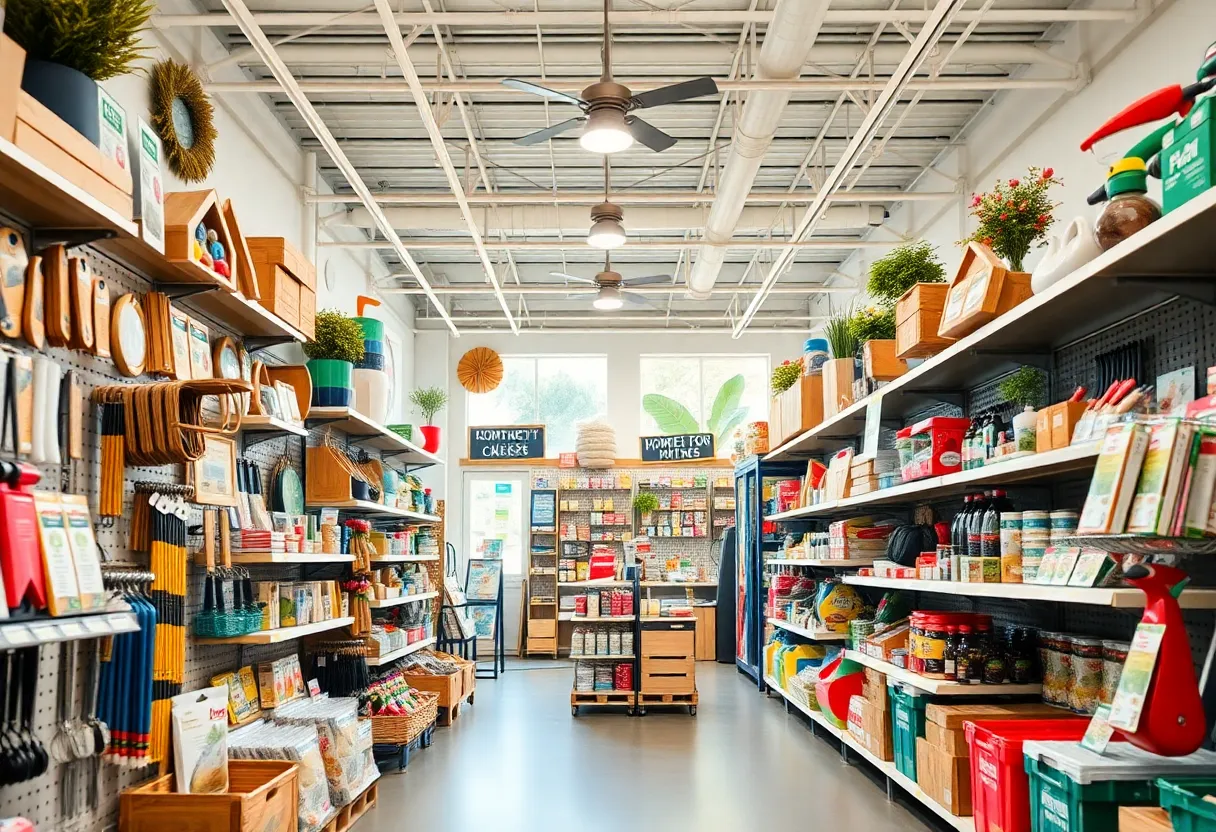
(665, 196)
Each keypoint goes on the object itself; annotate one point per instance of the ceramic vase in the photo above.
(430, 438)
(331, 382)
(66, 92)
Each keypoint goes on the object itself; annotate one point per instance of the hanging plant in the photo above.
(336, 337)
(785, 376)
(182, 116)
(645, 502)
(901, 269)
(870, 323)
(1014, 215)
(1024, 387)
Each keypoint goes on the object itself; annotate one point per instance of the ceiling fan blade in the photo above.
(648, 280)
(544, 92)
(565, 276)
(648, 134)
(674, 93)
(549, 132)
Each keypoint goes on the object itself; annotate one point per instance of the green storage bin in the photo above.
(1183, 799)
(1075, 790)
(907, 723)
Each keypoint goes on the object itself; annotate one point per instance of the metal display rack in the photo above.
(629, 699)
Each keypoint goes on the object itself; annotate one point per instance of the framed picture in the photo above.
(291, 405)
(214, 473)
(485, 619)
(268, 397)
(484, 579)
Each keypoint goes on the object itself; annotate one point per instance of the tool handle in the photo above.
(225, 539)
(209, 537)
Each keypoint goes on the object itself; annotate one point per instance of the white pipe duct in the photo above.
(574, 220)
(641, 197)
(787, 43)
(564, 289)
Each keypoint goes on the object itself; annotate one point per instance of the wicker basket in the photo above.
(402, 730)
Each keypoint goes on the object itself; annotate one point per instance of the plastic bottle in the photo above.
(975, 524)
(958, 536)
(1129, 210)
(951, 655)
(968, 444)
(990, 531)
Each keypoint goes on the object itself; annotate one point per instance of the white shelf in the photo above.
(66, 628)
(388, 658)
(379, 604)
(585, 658)
(1044, 466)
(248, 558)
(1092, 297)
(829, 563)
(814, 635)
(271, 424)
(378, 509)
(887, 768)
(282, 634)
(372, 434)
(942, 687)
(405, 558)
(1122, 598)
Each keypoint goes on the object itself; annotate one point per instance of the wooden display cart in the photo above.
(668, 667)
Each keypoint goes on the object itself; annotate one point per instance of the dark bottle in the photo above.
(981, 647)
(990, 531)
(1022, 649)
(1001, 499)
(975, 524)
(962, 655)
(996, 663)
(958, 529)
(950, 656)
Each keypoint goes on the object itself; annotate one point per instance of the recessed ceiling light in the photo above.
(606, 132)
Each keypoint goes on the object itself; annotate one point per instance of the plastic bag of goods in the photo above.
(346, 743)
(836, 604)
(301, 745)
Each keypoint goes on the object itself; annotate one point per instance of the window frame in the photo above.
(700, 358)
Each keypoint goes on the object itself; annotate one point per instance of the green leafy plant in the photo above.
(1024, 387)
(901, 269)
(645, 502)
(785, 376)
(724, 415)
(1014, 215)
(336, 337)
(429, 401)
(872, 323)
(97, 37)
(841, 340)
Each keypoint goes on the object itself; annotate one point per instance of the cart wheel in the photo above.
(574, 710)
(642, 711)
(633, 711)
(471, 695)
(692, 710)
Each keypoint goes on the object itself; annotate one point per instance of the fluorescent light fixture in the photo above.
(609, 299)
(606, 132)
(606, 234)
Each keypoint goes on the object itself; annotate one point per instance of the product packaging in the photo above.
(200, 740)
(301, 745)
(1165, 465)
(1114, 481)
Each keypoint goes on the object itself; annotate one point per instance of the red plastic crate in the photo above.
(1000, 789)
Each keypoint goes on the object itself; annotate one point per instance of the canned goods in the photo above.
(1087, 666)
(1114, 654)
(1035, 520)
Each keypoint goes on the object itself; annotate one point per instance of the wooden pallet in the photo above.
(354, 810)
(603, 698)
(668, 700)
(397, 757)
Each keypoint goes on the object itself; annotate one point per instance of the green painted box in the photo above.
(1186, 157)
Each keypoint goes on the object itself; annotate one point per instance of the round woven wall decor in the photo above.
(479, 370)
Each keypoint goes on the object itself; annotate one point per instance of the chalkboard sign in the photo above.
(507, 442)
(678, 447)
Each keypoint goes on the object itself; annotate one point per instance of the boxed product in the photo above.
(243, 702)
(944, 777)
(1114, 481)
(874, 689)
(1165, 465)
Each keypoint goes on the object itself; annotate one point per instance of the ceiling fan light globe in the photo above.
(609, 299)
(606, 132)
(606, 234)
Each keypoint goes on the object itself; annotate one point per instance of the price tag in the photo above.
(314, 688)
(97, 626)
(70, 629)
(869, 445)
(43, 632)
(1098, 734)
(18, 636)
(1137, 675)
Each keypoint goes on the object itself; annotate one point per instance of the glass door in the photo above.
(495, 526)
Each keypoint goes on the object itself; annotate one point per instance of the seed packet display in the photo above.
(63, 590)
(200, 350)
(200, 740)
(83, 547)
(299, 744)
(243, 705)
(179, 323)
(346, 743)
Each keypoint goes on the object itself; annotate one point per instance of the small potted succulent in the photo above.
(428, 401)
(336, 346)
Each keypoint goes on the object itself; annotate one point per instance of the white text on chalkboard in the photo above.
(678, 447)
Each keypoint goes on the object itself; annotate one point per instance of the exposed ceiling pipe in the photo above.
(582, 289)
(542, 318)
(681, 58)
(787, 43)
(655, 197)
(676, 328)
(943, 13)
(572, 219)
(244, 19)
(656, 17)
(460, 244)
(387, 86)
(441, 151)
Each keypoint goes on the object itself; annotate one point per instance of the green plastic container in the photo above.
(907, 723)
(373, 328)
(1183, 799)
(1075, 790)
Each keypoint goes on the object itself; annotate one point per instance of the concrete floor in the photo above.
(517, 760)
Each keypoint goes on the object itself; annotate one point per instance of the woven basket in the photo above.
(402, 730)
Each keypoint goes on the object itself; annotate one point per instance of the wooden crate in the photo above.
(326, 481)
(262, 797)
(280, 293)
(797, 410)
(270, 251)
(12, 68)
(982, 289)
(879, 361)
(354, 810)
(837, 386)
(451, 690)
(668, 700)
(917, 317)
(308, 312)
(706, 639)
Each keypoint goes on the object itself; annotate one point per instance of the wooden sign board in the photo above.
(678, 447)
(507, 442)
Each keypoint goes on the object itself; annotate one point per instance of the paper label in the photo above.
(18, 636)
(151, 192)
(977, 290)
(97, 626)
(869, 445)
(954, 302)
(112, 129)
(314, 688)
(1098, 734)
(1137, 676)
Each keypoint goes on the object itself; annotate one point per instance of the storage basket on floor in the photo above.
(1075, 790)
(1184, 799)
(262, 797)
(907, 723)
(402, 730)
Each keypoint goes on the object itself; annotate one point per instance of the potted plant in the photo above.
(874, 328)
(1014, 215)
(1025, 387)
(838, 372)
(428, 401)
(70, 46)
(892, 275)
(644, 504)
(336, 346)
(785, 376)
(912, 281)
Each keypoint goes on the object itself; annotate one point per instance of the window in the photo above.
(556, 391)
(703, 394)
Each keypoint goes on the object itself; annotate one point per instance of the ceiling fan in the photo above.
(606, 105)
(614, 290)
